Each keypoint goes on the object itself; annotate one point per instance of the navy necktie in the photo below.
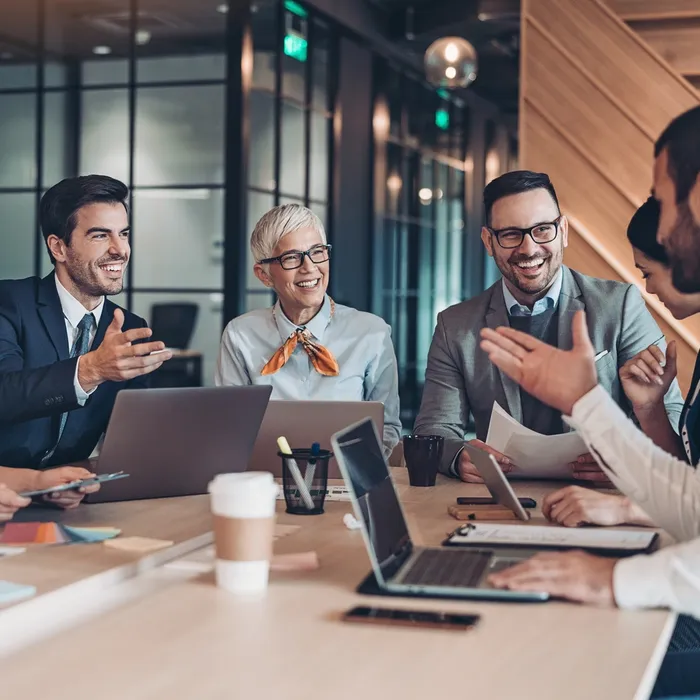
(80, 346)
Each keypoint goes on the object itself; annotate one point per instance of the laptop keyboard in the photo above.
(458, 569)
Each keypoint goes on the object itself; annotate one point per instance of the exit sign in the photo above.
(442, 119)
(295, 46)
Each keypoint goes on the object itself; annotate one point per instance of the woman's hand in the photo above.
(648, 375)
(64, 475)
(10, 503)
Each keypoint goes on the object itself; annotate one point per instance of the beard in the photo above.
(531, 285)
(683, 250)
(89, 279)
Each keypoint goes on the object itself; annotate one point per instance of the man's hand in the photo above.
(64, 475)
(573, 575)
(468, 471)
(10, 503)
(556, 377)
(574, 506)
(585, 468)
(647, 376)
(117, 360)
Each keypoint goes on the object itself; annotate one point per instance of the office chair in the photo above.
(173, 323)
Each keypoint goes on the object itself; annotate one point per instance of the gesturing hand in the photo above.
(116, 359)
(647, 376)
(556, 377)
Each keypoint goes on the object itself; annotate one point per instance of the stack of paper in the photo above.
(533, 454)
(54, 533)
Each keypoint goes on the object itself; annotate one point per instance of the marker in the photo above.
(311, 465)
(285, 449)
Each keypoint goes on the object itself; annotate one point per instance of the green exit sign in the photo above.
(442, 119)
(295, 46)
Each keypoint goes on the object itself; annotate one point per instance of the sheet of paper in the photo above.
(536, 456)
(14, 592)
(542, 536)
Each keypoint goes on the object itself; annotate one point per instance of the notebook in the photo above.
(609, 540)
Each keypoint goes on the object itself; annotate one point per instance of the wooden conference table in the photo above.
(175, 635)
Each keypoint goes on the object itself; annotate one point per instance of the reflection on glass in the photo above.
(258, 204)
(56, 139)
(319, 157)
(18, 140)
(261, 164)
(104, 142)
(293, 164)
(321, 61)
(105, 72)
(179, 236)
(207, 331)
(17, 216)
(264, 28)
(259, 301)
(179, 135)
(18, 58)
(180, 68)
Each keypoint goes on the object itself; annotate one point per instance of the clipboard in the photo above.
(596, 540)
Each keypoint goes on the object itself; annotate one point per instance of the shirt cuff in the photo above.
(643, 581)
(80, 394)
(588, 406)
(453, 470)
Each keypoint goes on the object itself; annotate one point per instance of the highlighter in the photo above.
(311, 468)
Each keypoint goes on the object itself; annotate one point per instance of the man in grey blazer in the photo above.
(526, 234)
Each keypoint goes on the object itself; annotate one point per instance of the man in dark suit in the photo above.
(65, 350)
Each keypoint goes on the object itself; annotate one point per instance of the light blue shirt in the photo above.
(548, 301)
(360, 342)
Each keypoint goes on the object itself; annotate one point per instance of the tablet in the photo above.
(71, 485)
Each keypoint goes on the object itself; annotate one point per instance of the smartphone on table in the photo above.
(71, 485)
(411, 618)
(487, 501)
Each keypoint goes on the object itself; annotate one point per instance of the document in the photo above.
(536, 456)
(538, 536)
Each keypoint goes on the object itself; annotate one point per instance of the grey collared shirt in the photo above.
(360, 342)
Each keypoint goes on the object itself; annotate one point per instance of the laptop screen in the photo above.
(359, 453)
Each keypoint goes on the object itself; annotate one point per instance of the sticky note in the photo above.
(138, 544)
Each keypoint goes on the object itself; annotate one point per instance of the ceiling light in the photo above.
(451, 62)
(451, 53)
(223, 8)
(425, 194)
(101, 50)
(143, 36)
(394, 183)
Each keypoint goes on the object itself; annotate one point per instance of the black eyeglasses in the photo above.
(291, 261)
(545, 232)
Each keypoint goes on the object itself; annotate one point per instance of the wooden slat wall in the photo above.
(655, 9)
(593, 99)
(678, 42)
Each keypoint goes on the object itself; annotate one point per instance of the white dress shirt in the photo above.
(548, 301)
(666, 488)
(360, 342)
(73, 313)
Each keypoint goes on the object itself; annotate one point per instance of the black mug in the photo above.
(422, 454)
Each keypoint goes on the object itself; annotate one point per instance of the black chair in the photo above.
(173, 323)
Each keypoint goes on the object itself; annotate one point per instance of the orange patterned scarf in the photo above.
(321, 358)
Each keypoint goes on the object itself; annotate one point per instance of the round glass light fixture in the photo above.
(451, 62)
(101, 50)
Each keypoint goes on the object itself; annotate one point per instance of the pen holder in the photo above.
(313, 472)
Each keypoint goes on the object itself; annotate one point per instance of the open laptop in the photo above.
(172, 442)
(305, 422)
(400, 566)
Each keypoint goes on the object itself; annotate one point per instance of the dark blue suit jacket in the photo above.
(36, 378)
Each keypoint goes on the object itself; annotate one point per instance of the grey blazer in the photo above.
(460, 379)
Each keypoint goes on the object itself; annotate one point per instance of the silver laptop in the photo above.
(400, 566)
(305, 422)
(494, 478)
(172, 442)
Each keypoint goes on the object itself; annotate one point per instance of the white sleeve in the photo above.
(667, 489)
(230, 366)
(669, 579)
(80, 394)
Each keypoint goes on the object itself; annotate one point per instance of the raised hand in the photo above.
(556, 377)
(117, 359)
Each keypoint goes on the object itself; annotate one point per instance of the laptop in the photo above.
(305, 422)
(172, 442)
(495, 480)
(399, 565)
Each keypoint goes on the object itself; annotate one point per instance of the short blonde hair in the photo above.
(277, 223)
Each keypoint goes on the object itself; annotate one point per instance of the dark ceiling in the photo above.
(492, 26)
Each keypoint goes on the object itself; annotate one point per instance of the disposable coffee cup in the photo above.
(243, 509)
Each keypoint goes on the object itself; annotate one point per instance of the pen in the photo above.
(311, 465)
(600, 355)
(296, 474)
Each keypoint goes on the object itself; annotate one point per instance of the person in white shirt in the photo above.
(306, 346)
(665, 487)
